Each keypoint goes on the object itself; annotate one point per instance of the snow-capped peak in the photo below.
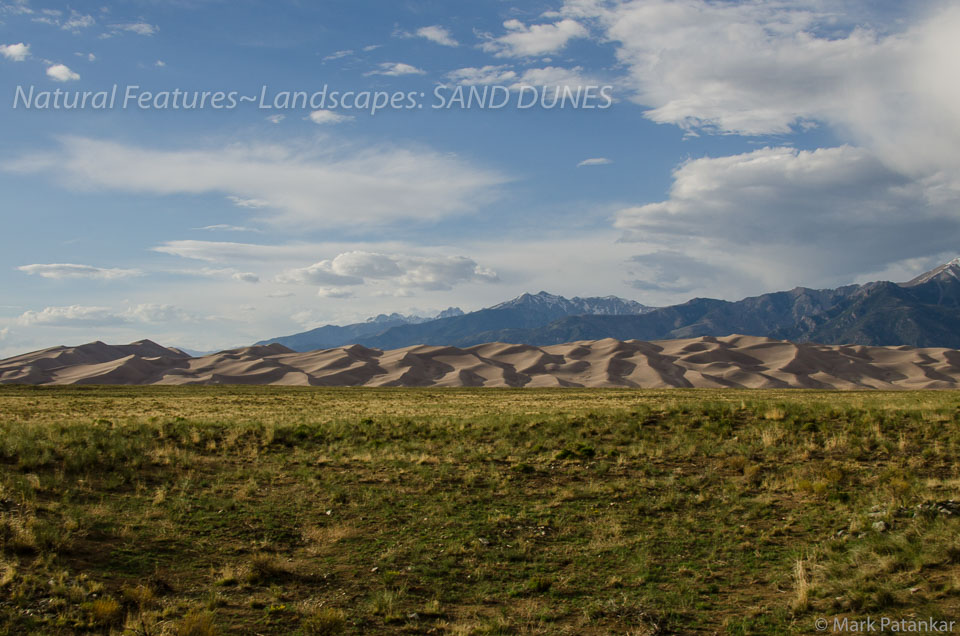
(945, 272)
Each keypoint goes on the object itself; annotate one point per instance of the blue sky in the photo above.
(748, 147)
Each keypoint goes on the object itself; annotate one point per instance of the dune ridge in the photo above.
(734, 361)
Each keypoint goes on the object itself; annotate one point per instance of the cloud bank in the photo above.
(297, 186)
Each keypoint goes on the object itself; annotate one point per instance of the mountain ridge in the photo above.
(452, 325)
(923, 312)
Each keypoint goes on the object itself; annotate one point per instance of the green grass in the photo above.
(220, 510)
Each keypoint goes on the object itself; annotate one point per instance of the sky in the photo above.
(701, 148)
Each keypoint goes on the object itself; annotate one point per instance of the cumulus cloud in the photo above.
(750, 68)
(788, 217)
(276, 119)
(757, 68)
(16, 52)
(61, 73)
(328, 117)
(537, 39)
(595, 161)
(71, 270)
(408, 271)
(306, 186)
(321, 273)
(396, 68)
(437, 34)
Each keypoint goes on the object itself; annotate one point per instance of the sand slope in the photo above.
(731, 361)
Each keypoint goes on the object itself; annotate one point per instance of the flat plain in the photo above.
(289, 510)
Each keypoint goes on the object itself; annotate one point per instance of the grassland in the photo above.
(212, 510)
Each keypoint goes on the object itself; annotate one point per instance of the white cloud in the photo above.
(334, 292)
(276, 119)
(437, 34)
(408, 271)
(61, 73)
(18, 7)
(788, 217)
(224, 251)
(538, 39)
(321, 273)
(228, 228)
(308, 319)
(442, 272)
(90, 316)
(153, 312)
(78, 21)
(305, 186)
(140, 28)
(328, 117)
(160, 64)
(595, 161)
(280, 294)
(74, 315)
(219, 272)
(246, 277)
(396, 68)
(337, 55)
(16, 52)
(366, 264)
(4, 333)
(489, 74)
(549, 76)
(252, 204)
(70, 270)
(738, 67)
(757, 68)
(556, 76)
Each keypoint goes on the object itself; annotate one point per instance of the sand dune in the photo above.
(731, 361)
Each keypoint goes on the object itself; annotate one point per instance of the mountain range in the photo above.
(923, 312)
(452, 326)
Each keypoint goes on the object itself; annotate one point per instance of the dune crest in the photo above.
(732, 361)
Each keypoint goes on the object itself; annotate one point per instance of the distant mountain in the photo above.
(924, 312)
(330, 336)
(394, 330)
(527, 311)
(946, 273)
